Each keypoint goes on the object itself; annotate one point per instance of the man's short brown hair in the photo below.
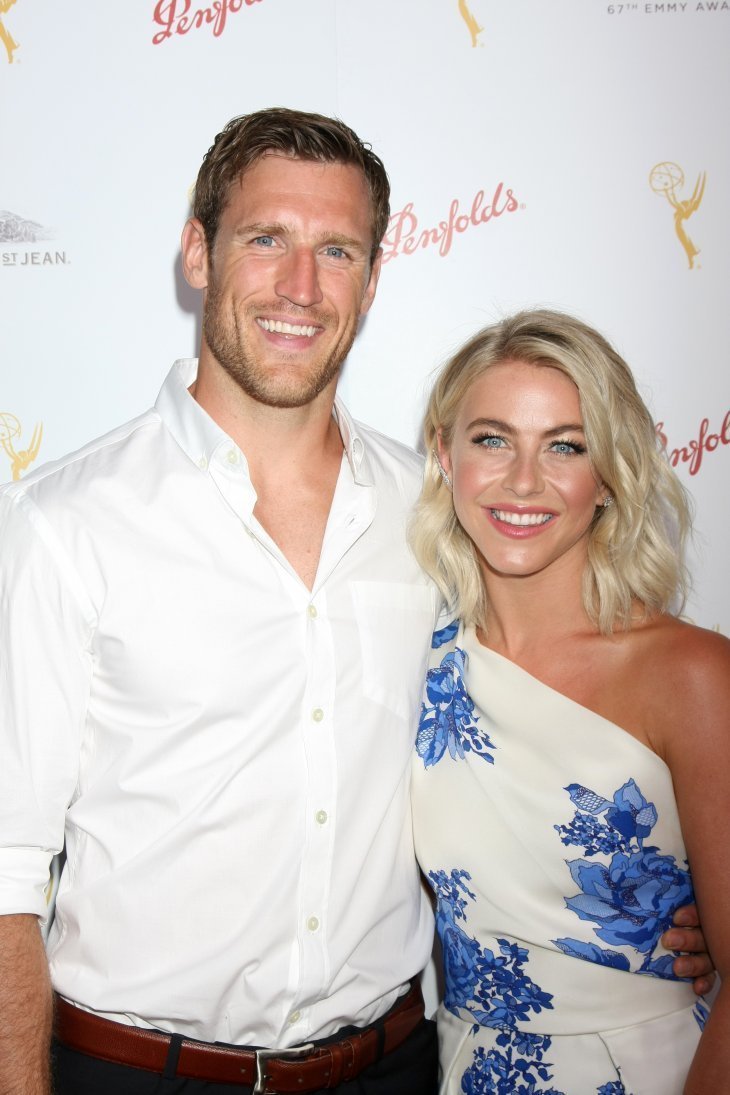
(294, 133)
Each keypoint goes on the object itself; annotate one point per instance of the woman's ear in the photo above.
(604, 498)
(444, 456)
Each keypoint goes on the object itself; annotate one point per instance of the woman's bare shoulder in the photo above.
(686, 671)
(679, 677)
(681, 651)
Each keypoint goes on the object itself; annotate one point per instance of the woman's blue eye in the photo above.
(567, 448)
(492, 442)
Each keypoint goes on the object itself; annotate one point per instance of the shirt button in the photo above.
(312, 611)
(313, 923)
(318, 714)
(321, 817)
(202, 463)
(295, 1017)
(232, 456)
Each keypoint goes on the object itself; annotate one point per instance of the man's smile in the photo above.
(281, 327)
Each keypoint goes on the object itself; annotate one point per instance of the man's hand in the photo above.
(686, 936)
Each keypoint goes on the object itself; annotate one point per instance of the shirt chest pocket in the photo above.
(395, 621)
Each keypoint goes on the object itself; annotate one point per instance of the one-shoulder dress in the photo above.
(551, 839)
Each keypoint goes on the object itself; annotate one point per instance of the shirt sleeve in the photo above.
(45, 674)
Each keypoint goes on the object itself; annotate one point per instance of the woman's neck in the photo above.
(530, 612)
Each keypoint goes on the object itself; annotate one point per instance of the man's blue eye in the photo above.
(335, 252)
(266, 241)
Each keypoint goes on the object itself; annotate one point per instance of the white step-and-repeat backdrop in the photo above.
(562, 153)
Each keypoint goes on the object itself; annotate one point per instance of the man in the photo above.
(215, 638)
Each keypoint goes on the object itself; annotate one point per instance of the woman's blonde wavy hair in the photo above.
(635, 549)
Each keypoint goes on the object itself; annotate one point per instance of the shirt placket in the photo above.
(317, 732)
(352, 511)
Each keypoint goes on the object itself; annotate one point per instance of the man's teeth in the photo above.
(281, 328)
(522, 518)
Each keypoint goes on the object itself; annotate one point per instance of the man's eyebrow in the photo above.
(347, 243)
(259, 229)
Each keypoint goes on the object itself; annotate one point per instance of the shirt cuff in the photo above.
(25, 880)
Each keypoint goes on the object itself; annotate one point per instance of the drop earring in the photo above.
(442, 470)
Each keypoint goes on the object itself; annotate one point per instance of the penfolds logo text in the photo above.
(177, 16)
(693, 452)
(404, 235)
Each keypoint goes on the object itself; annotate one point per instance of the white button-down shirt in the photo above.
(227, 751)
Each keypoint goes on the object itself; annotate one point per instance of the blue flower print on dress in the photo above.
(495, 991)
(493, 988)
(701, 1013)
(447, 715)
(519, 1068)
(459, 952)
(444, 635)
(633, 896)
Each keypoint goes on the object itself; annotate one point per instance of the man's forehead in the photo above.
(274, 165)
(278, 181)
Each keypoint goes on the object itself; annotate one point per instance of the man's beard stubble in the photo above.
(295, 388)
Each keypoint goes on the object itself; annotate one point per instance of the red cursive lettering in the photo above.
(174, 16)
(693, 452)
(404, 237)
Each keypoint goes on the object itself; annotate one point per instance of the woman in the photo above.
(571, 725)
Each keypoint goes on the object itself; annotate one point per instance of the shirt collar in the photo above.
(199, 436)
(353, 444)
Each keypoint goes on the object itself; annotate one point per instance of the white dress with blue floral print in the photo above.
(551, 839)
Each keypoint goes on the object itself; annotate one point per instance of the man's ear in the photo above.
(194, 254)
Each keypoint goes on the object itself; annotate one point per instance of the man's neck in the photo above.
(294, 456)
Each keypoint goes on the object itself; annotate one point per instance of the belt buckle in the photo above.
(263, 1056)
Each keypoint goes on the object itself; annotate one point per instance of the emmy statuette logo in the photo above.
(5, 36)
(470, 19)
(10, 431)
(667, 179)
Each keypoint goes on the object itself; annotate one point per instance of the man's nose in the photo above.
(298, 278)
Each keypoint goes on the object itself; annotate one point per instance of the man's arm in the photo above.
(26, 1008)
(45, 669)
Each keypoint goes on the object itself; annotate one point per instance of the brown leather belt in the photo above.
(268, 1072)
